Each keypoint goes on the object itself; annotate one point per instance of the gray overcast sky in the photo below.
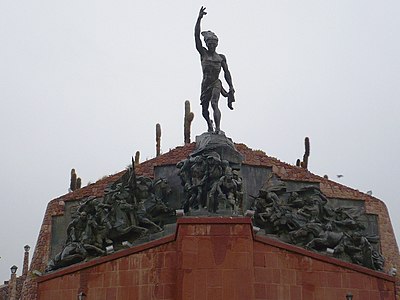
(83, 83)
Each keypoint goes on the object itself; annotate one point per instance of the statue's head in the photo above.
(83, 215)
(211, 40)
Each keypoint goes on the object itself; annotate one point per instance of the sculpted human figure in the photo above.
(227, 190)
(215, 172)
(77, 227)
(211, 86)
(199, 177)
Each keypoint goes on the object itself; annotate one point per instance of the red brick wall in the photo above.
(215, 258)
(388, 241)
(389, 246)
(134, 273)
(42, 250)
(284, 274)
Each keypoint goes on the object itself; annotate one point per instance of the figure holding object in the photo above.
(211, 86)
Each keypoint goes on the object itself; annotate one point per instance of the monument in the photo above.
(135, 209)
(214, 211)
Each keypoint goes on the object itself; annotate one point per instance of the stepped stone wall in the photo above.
(254, 161)
(215, 258)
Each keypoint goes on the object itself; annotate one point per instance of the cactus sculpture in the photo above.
(137, 157)
(158, 139)
(304, 163)
(78, 183)
(306, 153)
(189, 116)
(72, 185)
(298, 162)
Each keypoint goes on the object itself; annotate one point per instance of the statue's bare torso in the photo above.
(211, 65)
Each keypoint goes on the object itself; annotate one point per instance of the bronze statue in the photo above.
(211, 86)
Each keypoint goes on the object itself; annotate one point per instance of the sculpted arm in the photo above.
(197, 39)
(227, 74)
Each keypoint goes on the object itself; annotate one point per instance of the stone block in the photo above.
(214, 278)
(333, 279)
(210, 142)
(260, 291)
(272, 291)
(169, 291)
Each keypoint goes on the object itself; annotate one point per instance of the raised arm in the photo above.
(197, 39)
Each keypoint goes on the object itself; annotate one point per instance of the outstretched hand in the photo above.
(202, 12)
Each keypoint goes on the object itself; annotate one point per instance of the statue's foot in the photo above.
(219, 131)
(143, 232)
(210, 129)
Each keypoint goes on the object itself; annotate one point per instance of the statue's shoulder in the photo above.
(223, 57)
(202, 51)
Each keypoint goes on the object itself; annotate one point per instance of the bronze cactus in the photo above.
(137, 157)
(306, 153)
(72, 185)
(78, 183)
(304, 163)
(189, 116)
(158, 139)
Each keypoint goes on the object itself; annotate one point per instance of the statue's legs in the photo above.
(206, 115)
(214, 104)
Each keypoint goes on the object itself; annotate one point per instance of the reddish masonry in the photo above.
(215, 258)
(209, 257)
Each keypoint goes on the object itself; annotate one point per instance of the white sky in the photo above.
(83, 83)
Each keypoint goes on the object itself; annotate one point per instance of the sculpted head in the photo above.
(83, 215)
(211, 40)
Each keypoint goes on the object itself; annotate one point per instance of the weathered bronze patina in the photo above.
(211, 86)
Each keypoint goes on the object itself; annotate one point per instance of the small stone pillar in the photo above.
(26, 260)
(12, 285)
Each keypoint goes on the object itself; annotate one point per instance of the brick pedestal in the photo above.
(215, 258)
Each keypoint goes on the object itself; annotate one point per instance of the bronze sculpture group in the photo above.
(210, 184)
(304, 218)
(131, 208)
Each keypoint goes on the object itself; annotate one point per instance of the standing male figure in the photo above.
(211, 86)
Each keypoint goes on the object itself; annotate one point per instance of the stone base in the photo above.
(215, 258)
(219, 143)
(203, 212)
